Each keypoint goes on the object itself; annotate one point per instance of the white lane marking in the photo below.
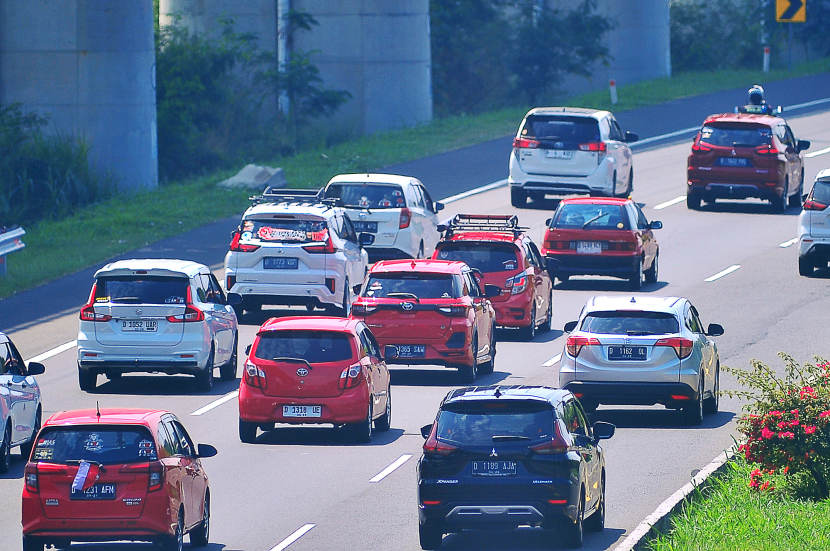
(391, 468)
(476, 191)
(720, 274)
(552, 361)
(674, 201)
(293, 537)
(216, 403)
(786, 244)
(812, 154)
(54, 352)
(807, 104)
(664, 136)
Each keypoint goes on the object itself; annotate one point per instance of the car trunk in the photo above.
(409, 321)
(499, 263)
(731, 153)
(558, 152)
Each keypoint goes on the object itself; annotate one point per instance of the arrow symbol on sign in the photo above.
(790, 12)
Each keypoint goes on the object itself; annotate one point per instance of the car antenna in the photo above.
(97, 410)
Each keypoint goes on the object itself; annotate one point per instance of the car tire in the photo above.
(420, 250)
(6, 449)
(614, 185)
(468, 373)
(87, 380)
(430, 533)
(26, 447)
(199, 536)
(692, 201)
(32, 544)
(651, 274)
(345, 307)
(518, 197)
(384, 422)
(636, 279)
(596, 522)
(176, 543)
(805, 267)
(779, 204)
(228, 371)
(796, 201)
(204, 379)
(545, 327)
(694, 411)
(710, 405)
(529, 333)
(631, 181)
(238, 310)
(573, 534)
(363, 430)
(490, 365)
(247, 432)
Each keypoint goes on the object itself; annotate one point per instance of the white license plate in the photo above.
(302, 411)
(558, 154)
(589, 247)
(139, 325)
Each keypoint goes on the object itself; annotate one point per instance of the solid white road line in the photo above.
(476, 191)
(674, 201)
(786, 244)
(216, 403)
(552, 361)
(391, 468)
(54, 352)
(807, 104)
(663, 136)
(812, 154)
(719, 275)
(293, 537)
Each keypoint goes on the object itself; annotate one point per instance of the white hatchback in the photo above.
(157, 315)
(814, 227)
(396, 211)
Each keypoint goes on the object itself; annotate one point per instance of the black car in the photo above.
(509, 456)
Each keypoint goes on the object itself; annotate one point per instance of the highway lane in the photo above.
(294, 478)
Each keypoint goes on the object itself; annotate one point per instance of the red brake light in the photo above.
(574, 344)
(435, 446)
(359, 309)
(453, 311)
(557, 444)
(682, 347)
(350, 377)
(326, 248)
(524, 143)
(238, 247)
(406, 218)
(30, 476)
(766, 149)
(698, 146)
(814, 205)
(156, 479)
(254, 376)
(593, 146)
(88, 311)
(191, 313)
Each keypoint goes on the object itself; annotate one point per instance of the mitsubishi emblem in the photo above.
(494, 454)
(734, 153)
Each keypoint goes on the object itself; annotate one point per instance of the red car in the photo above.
(315, 370)
(115, 474)
(601, 236)
(430, 312)
(507, 258)
(738, 155)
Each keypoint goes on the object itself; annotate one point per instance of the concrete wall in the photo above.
(90, 64)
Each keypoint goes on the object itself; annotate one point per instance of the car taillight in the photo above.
(524, 143)
(363, 309)
(814, 205)
(766, 149)
(574, 344)
(191, 313)
(326, 248)
(405, 219)
(593, 146)
(453, 311)
(557, 444)
(700, 147)
(622, 245)
(254, 376)
(682, 347)
(30, 476)
(238, 247)
(516, 284)
(437, 447)
(230, 282)
(350, 377)
(156, 479)
(88, 311)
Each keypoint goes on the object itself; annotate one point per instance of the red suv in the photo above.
(315, 370)
(601, 236)
(430, 312)
(738, 155)
(507, 258)
(115, 474)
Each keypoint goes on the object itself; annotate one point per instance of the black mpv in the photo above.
(509, 456)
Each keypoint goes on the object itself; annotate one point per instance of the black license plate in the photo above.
(733, 161)
(494, 468)
(371, 227)
(280, 263)
(637, 353)
(406, 351)
(98, 491)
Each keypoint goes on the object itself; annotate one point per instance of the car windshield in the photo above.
(565, 132)
(277, 230)
(485, 423)
(821, 192)
(487, 257)
(409, 285)
(368, 196)
(590, 217)
(630, 323)
(735, 135)
(311, 346)
(141, 289)
(103, 444)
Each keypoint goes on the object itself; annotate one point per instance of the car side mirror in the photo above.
(491, 291)
(655, 225)
(425, 430)
(35, 368)
(547, 222)
(248, 350)
(441, 228)
(438, 206)
(205, 450)
(631, 137)
(365, 238)
(234, 298)
(570, 326)
(603, 430)
(802, 145)
(714, 330)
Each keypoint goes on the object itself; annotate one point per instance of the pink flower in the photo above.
(810, 429)
(794, 423)
(766, 433)
(783, 424)
(824, 414)
(776, 413)
(788, 435)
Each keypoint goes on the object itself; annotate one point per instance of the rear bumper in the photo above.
(515, 311)
(616, 265)
(598, 182)
(257, 407)
(170, 364)
(435, 353)
(289, 295)
(636, 393)
(816, 249)
(733, 190)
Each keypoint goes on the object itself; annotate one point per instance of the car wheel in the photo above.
(488, 367)
(199, 536)
(177, 541)
(87, 380)
(420, 250)
(631, 181)
(529, 332)
(204, 379)
(545, 327)
(228, 371)
(692, 201)
(636, 279)
(384, 422)
(797, 200)
(32, 544)
(710, 405)
(651, 273)
(6, 449)
(363, 430)
(468, 373)
(26, 447)
(779, 204)
(247, 432)
(346, 306)
(572, 532)
(596, 522)
(518, 197)
(430, 533)
(805, 267)
(614, 185)
(694, 411)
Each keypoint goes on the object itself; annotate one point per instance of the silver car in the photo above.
(642, 351)
(814, 227)
(20, 406)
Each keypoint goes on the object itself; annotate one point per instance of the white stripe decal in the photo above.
(719, 275)
(786, 244)
(216, 403)
(293, 537)
(674, 201)
(552, 361)
(54, 352)
(391, 468)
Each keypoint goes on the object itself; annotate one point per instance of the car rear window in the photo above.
(311, 346)
(104, 444)
(287, 230)
(365, 196)
(484, 423)
(421, 285)
(588, 216)
(821, 192)
(630, 323)
(735, 135)
(487, 257)
(560, 131)
(142, 289)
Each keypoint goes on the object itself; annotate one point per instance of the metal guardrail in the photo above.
(10, 241)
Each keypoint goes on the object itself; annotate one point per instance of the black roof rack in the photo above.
(296, 196)
(483, 222)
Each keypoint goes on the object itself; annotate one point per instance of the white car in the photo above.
(292, 248)
(569, 150)
(814, 227)
(397, 212)
(157, 315)
(20, 408)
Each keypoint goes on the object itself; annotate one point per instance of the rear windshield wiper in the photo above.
(641, 333)
(291, 360)
(507, 438)
(132, 300)
(397, 294)
(90, 461)
(595, 218)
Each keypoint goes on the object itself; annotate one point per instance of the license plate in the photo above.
(302, 411)
(733, 161)
(589, 247)
(280, 263)
(558, 154)
(98, 491)
(406, 351)
(627, 353)
(494, 468)
(139, 325)
(371, 227)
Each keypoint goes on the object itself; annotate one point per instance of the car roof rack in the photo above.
(507, 223)
(293, 196)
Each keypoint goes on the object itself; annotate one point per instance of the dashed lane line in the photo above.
(786, 244)
(54, 352)
(674, 201)
(391, 468)
(293, 537)
(722, 273)
(216, 403)
(812, 154)
(552, 361)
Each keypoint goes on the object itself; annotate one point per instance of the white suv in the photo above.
(566, 150)
(397, 212)
(292, 248)
(814, 227)
(157, 315)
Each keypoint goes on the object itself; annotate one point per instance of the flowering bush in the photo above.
(787, 427)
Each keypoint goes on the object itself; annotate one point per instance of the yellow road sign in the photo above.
(791, 11)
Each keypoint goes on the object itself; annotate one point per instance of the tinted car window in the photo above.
(630, 323)
(485, 423)
(106, 445)
(735, 135)
(595, 217)
(312, 346)
(283, 231)
(821, 192)
(421, 285)
(487, 257)
(569, 131)
(142, 289)
(383, 196)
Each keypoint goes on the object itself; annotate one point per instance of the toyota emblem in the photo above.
(138, 311)
(302, 372)
(407, 306)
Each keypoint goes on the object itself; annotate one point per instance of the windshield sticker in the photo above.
(103, 299)
(401, 200)
(446, 295)
(93, 443)
(315, 236)
(44, 453)
(620, 225)
(248, 225)
(364, 202)
(267, 233)
(146, 449)
(397, 193)
(246, 235)
(509, 264)
(384, 202)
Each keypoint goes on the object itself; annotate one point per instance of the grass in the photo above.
(731, 517)
(99, 232)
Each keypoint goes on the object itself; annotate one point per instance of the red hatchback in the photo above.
(507, 258)
(602, 236)
(115, 474)
(315, 370)
(430, 312)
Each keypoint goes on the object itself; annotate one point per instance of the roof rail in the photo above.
(296, 196)
(483, 222)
